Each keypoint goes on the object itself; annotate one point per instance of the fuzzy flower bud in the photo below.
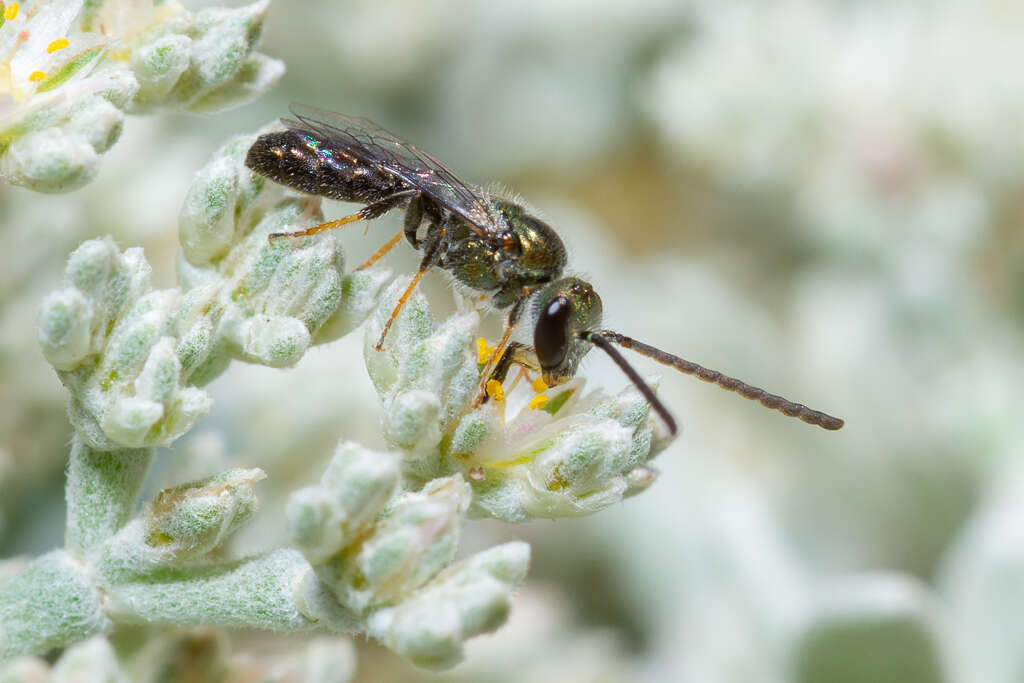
(112, 341)
(425, 376)
(414, 540)
(70, 70)
(470, 598)
(264, 300)
(384, 559)
(184, 523)
(193, 519)
(352, 493)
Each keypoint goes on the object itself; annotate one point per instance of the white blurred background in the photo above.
(824, 198)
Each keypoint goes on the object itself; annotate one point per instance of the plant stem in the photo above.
(51, 602)
(258, 592)
(102, 491)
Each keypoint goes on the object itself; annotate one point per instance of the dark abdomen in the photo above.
(308, 164)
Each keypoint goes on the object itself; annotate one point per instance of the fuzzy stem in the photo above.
(51, 602)
(261, 592)
(102, 490)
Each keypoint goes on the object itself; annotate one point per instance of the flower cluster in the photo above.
(70, 70)
(134, 358)
(567, 454)
(387, 556)
(377, 536)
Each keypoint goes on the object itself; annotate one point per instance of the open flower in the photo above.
(558, 453)
(69, 71)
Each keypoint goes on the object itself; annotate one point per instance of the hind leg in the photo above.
(368, 212)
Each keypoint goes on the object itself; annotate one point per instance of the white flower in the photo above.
(562, 455)
(69, 71)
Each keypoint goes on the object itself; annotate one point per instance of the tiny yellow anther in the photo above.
(538, 401)
(495, 390)
(11, 11)
(36, 76)
(483, 351)
(58, 44)
(539, 386)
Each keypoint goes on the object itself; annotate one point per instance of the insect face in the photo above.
(563, 311)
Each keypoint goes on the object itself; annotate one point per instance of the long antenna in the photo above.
(766, 399)
(600, 342)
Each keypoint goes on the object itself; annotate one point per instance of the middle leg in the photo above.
(385, 248)
(430, 259)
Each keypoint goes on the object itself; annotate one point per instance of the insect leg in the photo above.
(499, 350)
(357, 216)
(513, 356)
(429, 260)
(368, 212)
(385, 248)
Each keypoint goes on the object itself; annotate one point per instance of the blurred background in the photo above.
(821, 197)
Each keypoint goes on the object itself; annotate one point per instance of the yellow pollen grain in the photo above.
(58, 44)
(483, 351)
(539, 386)
(36, 76)
(538, 401)
(495, 390)
(11, 11)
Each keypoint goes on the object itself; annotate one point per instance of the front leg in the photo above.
(515, 354)
(499, 351)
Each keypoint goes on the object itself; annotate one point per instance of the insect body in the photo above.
(486, 242)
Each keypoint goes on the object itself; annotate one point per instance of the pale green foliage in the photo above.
(51, 602)
(374, 558)
(184, 523)
(114, 342)
(201, 655)
(469, 598)
(106, 486)
(377, 537)
(883, 628)
(132, 357)
(257, 592)
(387, 556)
(121, 57)
(579, 454)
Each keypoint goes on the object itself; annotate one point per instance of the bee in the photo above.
(486, 242)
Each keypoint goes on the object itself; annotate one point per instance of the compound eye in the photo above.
(551, 336)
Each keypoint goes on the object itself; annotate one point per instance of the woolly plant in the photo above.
(71, 69)
(375, 541)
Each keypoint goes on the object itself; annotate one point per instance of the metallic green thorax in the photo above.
(528, 254)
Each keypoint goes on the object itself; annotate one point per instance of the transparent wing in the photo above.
(372, 145)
